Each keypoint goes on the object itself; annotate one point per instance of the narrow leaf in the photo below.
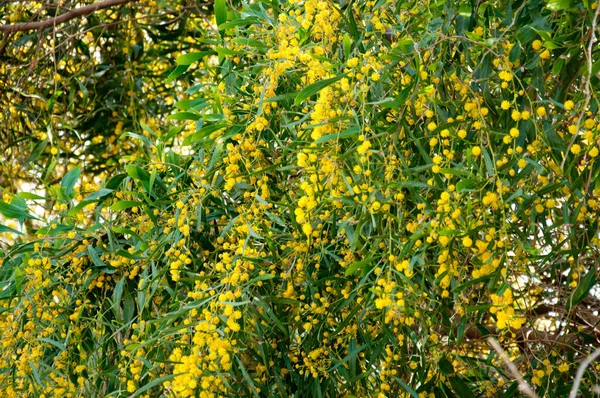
(314, 88)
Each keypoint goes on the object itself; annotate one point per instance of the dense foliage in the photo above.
(68, 95)
(359, 194)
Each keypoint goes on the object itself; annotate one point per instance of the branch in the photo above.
(523, 386)
(48, 23)
(581, 371)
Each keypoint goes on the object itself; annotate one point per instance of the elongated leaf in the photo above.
(408, 389)
(184, 116)
(31, 196)
(95, 257)
(179, 70)
(154, 383)
(137, 173)
(314, 88)
(98, 194)
(239, 22)
(461, 388)
(4, 228)
(190, 58)
(138, 137)
(202, 133)
(70, 179)
(115, 181)
(346, 133)
(220, 12)
(358, 265)
(124, 204)
(12, 211)
(55, 343)
(583, 289)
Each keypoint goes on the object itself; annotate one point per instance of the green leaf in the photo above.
(124, 204)
(138, 137)
(465, 11)
(69, 180)
(190, 58)
(115, 181)
(128, 308)
(93, 197)
(203, 133)
(55, 343)
(31, 196)
(461, 388)
(116, 298)
(239, 22)
(179, 70)
(558, 5)
(5, 229)
(446, 366)
(184, 116)
(264, 277)
(95, 257)
(583, 289)
(347, 45)
(469, 183)
(220, 12)
(314, 88)
(154, 383)
(98, 194)
(358, 265)
(346, 133)
(137, 173)
(12, 211)
(248, 378)
(408, 389)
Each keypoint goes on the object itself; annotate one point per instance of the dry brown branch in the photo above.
(523, 386)
(48, 23)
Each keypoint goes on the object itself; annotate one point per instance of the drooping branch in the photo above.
(48, 23)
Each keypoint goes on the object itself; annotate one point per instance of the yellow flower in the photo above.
(569, 105)
(589, 123)
(537, 45)
(563, 367)
(375, 76)
(505, 105)
(576, 149)
(307, 229)
(54, 151)
(476, 151)
(375, 207)
(541, 111)
(545, 54)
(593, 152)
(467, 242)
(364, 147)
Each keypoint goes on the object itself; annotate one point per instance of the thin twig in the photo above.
(523, 386)
(48, 23)
(581, 371)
